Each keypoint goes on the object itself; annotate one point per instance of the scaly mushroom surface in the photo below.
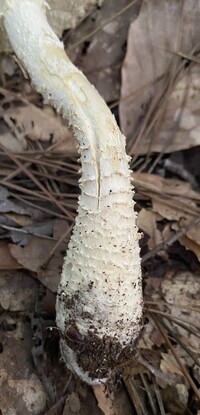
(99, 302)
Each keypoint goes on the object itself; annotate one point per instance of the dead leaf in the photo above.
(110, 402)
(105, 401)
(60, 227)
(191, 245)
(74, 402)
(146, 342)
(17, 291)
(193, 233)
(169, 364)
(34, 122)
(35, 254)
(10, 141)
(162, 27)
(146, 221)
(21, 390)
(21, 220)
(169, 212)
(7, 205)
(182, 294)
(158, 184)
(7, 261)
(104, 51)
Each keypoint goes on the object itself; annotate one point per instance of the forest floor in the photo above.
(144, 60)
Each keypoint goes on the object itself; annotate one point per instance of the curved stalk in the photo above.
(99, 303)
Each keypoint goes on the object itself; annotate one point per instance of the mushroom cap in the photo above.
(62, 15)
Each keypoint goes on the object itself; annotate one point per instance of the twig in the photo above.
(177, 358)
(170, 241)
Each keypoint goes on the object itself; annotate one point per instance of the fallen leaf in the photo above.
(74, 402)
(182, 294)
(21, 390)
(10, 141)
(7, 261)
(60, 227)
(104, 51)
(17, 291)
(161, 28)
(19, 219)
(169, 364)
(193, 233)
(171, 187)
(146, 221)
(34, 256)
(191, 245)
(42, 124)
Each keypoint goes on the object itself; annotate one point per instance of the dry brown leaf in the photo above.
(168, 212)
(171, 199)
(105, 401)
(169, 364)
(21, 390)
(104, 51)
(112, 403)
(191, 239)
(146, 221)
(191, 245)
(34, 122)
(7, 261)
(42, 124)
(21, 220)
(35, 255)
(181, 210)
(193, 233)
(17, 291)
(73, 402)
(59, 228)
(182, 294)
(11, 142)
(161, 27)
(146, 342)
(172, 187)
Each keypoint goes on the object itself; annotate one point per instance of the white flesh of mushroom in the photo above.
(99, 304)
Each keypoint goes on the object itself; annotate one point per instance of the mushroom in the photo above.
(99, 301)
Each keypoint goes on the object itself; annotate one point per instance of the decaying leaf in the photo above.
(160, 185)
(21, 390)
(161, 29)
(6, 259)
(33, 122)
(146, 221)
(175, 201)
(169, 364)
(12, 142)
(17, 291)
(104, 51)
(191, 245)
(182, 293)
(34, 256)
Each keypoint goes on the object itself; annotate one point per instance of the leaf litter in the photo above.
(39, 172)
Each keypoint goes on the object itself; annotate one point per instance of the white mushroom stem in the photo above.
(99, 304)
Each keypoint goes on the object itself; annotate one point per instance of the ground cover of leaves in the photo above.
(143, 57)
